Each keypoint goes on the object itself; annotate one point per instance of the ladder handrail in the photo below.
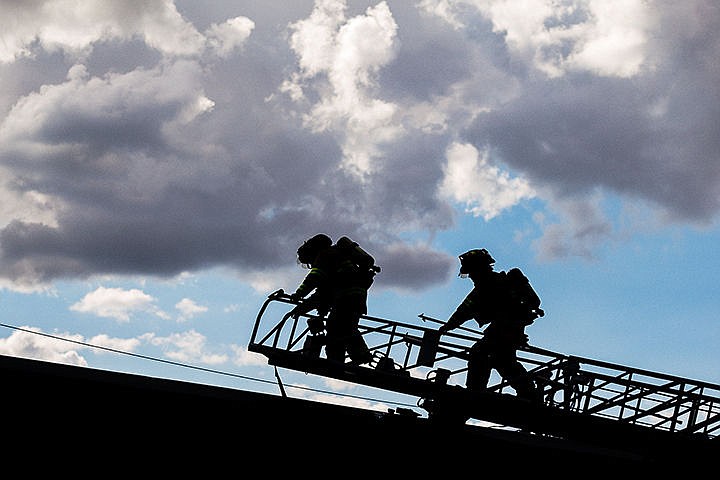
(588, 386)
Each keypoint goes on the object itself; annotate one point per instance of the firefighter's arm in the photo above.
(299, 294)
(313, 302)
(464, 312)
(309, 284)
(455, 320)
(298, 310)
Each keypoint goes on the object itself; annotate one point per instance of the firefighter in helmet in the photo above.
(314, 254)
(340, 276)
(506, 309)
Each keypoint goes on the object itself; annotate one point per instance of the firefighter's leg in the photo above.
(334, 338)
(356, 346)
(513, 371)
(479, 367)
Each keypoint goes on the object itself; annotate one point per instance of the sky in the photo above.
(161, 161)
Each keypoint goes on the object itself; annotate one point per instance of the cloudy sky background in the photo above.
(160, 163)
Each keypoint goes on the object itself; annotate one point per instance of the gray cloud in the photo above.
(131, 154)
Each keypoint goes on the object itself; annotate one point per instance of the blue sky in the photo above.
(160, 163)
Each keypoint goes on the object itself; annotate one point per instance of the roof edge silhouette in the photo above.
(72, 413)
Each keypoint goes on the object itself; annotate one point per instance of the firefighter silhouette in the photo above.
(339, 278)
(507, 303)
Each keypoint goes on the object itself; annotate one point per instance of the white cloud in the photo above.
(245, 358)
(74, 27)
(40, 347)
(614, 44)
(225, 38)
(606, 37)
(347, 55)
(120, 344)
(188, 309)
(189, 346)
(484, 189)
(313, 39)
(116, 303)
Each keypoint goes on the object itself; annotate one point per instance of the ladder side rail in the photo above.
(543, 373)
(460, 352)
(574, 378)
(621, 400)
(693, 403)
(450, 359)
(682, 416)
(710, 416)
(668, 389)
(647, 373)
(694, 413)
(409, 326)
(296, 333)
(270, 298)
(446, 351)
(592, 395)
(552, 377)
(657, 395)
(387, 346)
(657, 412)
(411, 342)
(533, 366)
(704, 426)
(644, 395)
(408, 339)
(594, 400)
(406, 358)
(689, 400)
(666, 413)
(678, 402)
(705, 413)
(275, 333)
(386, 328)
(572, 390)
(393, 340)
(586, 397)
(281, 296)
(628, 397)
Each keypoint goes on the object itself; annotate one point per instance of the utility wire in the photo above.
(209, 370)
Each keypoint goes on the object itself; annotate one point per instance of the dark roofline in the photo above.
(96, 414)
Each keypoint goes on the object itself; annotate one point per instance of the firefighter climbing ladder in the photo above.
(581, 398)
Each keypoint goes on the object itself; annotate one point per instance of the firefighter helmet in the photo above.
(475, 260)
(311, 247)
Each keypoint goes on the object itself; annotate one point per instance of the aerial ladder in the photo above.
(582, 400)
